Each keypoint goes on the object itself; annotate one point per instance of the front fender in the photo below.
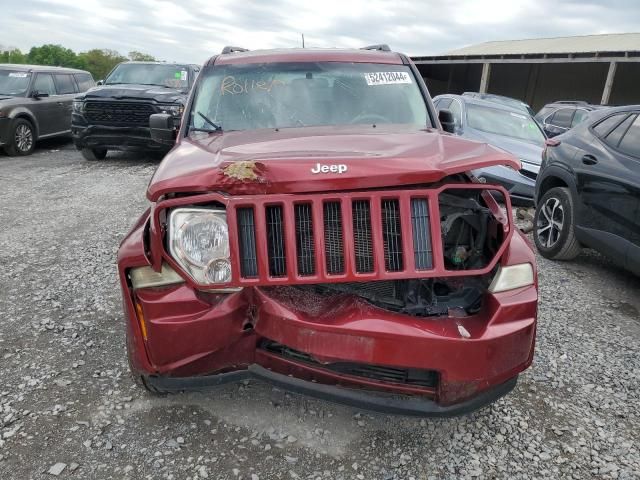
(22, 112)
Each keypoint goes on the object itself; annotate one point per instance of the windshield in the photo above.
(280, 95)
(174, 76)
(14, 83)
(501, 122)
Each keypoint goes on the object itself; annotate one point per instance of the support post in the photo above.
(484, 80)
(608, 84)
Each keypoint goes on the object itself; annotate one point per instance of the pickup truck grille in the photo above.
(334, 237)
(129, 114)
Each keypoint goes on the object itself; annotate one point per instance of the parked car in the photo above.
(292, 237)
(588, 191)
(504, 127)
(115, 114)
(558, 117)
(35, 103)
(501, 99)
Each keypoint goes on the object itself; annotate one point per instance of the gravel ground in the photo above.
(69, 409)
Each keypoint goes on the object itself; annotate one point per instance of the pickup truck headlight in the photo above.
(175, 109)
(78, 106)
(199, 242)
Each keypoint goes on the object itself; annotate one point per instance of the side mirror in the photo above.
(447, 121)
(37, 95)
(100, 82)
(162, 128)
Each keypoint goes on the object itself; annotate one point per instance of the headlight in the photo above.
(511, 277)
(78, 106)
(199, 242)
(175, 109)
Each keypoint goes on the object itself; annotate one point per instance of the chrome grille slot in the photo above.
(275, 241)
(247, 242)
(421, 233)
(392, 235)
(305, 245)
(333, 238)
(362, 241)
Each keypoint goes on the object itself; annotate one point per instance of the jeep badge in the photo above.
(319, 168)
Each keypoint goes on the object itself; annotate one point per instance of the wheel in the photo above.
(23, 138)
(554, 233)
(93, 154)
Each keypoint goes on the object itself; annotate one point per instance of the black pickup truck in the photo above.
(115, 114)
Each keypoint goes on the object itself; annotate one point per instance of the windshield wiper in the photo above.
(216, 127)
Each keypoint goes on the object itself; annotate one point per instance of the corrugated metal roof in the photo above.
(615, 42)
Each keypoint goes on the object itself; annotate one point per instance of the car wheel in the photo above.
(93, 154)
(554, 233)
(22, 140)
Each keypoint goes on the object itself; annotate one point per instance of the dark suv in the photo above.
(115, 115)
(559, 117)
(35, 103)
(588, 189)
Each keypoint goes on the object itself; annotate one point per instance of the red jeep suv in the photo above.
(315, 227)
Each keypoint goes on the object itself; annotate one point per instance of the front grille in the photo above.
(372, 242)
(403, 376)
(275, 241)
(333, 242)
(119, 113)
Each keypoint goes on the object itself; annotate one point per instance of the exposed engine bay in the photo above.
(470, 233)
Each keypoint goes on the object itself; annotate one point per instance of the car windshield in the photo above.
(14, 83)
(174, 76)
(281, 95)
(502, 122)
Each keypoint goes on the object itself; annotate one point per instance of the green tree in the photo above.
(100, 62)
(11, 55)
(141, 57)
(56, 55)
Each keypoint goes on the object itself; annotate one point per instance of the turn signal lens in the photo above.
(511, 277)
(143, 325)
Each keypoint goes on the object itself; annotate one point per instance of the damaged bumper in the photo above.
(335, 344)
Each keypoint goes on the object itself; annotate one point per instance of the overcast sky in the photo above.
(193, 30)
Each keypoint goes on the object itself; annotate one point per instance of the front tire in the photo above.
(23, 138)
(554, 223)
(93, 154)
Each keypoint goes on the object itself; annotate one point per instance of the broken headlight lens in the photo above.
(511, 277)
(199, 242)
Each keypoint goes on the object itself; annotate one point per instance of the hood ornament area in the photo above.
(321, 168)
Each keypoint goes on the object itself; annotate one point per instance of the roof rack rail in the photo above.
(229, 49)
(572, 102)
(382, 47)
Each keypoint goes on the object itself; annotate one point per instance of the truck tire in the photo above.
(93, 154)
(22, 138)
(553, 231)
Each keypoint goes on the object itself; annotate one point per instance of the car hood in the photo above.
(526, 151)
(317, 159)
(133, 91)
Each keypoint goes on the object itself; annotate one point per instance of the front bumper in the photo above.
(112, 138)
(520, 187)
(194, 339)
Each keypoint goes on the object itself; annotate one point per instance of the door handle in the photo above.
(589, 159)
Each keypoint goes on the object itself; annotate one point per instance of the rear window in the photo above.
(85, 81)
(630, 143)
(617, 133)
(64, 84)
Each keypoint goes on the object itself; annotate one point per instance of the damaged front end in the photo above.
(418, 300)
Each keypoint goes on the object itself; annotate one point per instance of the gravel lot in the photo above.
(66, 397)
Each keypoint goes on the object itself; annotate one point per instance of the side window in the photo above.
(562, 118)
(579, 117)
(44, 84)
(444, 103)
(605, 126)
(64, 84)
(84, 81)
(630, 143)
(456, 110)
(617, 133)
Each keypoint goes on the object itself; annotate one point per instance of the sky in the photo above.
(193, 30)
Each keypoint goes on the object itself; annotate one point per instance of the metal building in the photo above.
(596, 68)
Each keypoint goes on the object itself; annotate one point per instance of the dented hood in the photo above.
(317, 159)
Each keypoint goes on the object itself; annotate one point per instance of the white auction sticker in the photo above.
(387, 78)
(18, 74)
(183, 75)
